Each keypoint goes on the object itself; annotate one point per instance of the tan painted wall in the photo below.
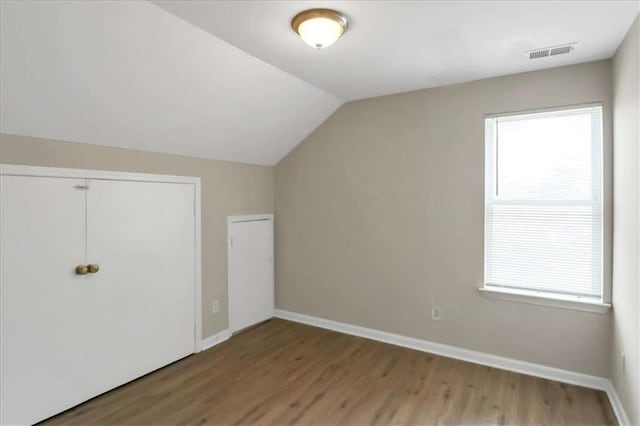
(227, 189)
(379, 216)
(626, 249)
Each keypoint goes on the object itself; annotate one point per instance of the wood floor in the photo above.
(282, 372)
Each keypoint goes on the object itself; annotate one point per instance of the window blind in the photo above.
(543, 202)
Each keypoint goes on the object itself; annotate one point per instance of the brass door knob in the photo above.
(93, 268)
(82, 269)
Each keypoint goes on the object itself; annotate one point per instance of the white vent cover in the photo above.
(560, 50)
(538, 53)
(551, 51)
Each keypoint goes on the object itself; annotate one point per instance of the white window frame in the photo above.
(588, 304)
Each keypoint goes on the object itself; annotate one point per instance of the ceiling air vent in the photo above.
(560, 50)
(538, 53)
(551, 51)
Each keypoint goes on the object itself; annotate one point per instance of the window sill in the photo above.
(546, 299)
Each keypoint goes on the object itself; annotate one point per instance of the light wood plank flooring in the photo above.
(282, 372)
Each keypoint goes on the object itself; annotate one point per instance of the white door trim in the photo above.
(230, 221)
(18, 170)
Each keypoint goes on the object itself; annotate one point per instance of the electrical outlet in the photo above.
(435, 313)
(215, 306)
(623, 365)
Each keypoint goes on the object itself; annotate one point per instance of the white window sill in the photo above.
(546, 299)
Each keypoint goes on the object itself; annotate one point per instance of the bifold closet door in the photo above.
(250, 275)
(67, 337)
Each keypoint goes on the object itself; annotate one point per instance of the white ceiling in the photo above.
(396, 46)
(239, 85)
(129, 74)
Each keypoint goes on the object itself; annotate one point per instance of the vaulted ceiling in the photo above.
(129, 74)
(230, 80)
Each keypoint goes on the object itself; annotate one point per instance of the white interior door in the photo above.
(66, 337)
(44, 309)
(251, 289)
(142, 236)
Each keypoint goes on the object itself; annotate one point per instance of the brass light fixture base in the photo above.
(305, 15)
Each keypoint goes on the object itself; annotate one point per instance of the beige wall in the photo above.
(626, 249)
(379, 216)
(227, 189)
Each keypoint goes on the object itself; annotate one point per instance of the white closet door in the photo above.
(251, 292)
(44, 309)
(67, 338)
(142, 237)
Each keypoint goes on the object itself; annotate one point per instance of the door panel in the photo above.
(44, 327)
(142, 236)
(67, 338)
(251, 292)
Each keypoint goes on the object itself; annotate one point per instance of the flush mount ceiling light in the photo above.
(319, 28)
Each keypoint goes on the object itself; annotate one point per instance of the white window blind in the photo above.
(543, 203)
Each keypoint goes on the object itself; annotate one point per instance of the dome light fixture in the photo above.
(319, 28)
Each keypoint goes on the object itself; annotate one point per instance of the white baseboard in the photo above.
(616, 404)
(216, 339)
(476, 357)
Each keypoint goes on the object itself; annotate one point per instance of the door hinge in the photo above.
(231, 241)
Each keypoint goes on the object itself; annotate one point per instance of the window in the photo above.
(543, 205)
